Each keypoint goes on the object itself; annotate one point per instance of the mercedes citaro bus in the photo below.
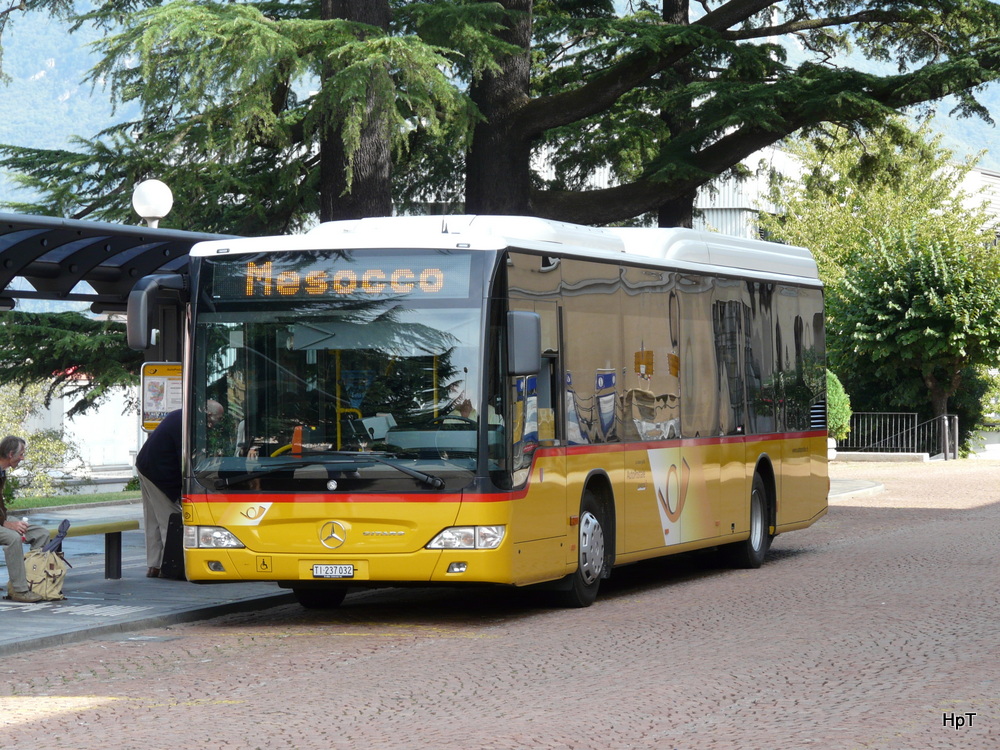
(493, 400)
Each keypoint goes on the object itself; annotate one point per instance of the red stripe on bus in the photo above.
(789, 435)
(430, 497)
(577, 450)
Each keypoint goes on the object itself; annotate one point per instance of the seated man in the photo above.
(14, 533)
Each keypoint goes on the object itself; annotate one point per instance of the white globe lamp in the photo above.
(152, 200)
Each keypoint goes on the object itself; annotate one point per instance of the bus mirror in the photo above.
(524, 343)
(142, 304)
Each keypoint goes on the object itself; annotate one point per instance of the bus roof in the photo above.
(674, 248)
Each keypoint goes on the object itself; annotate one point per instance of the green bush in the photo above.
(132, 485)
(838, 408)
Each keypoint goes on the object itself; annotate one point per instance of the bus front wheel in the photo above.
(579, 589)
(750, 552)
(320, 598)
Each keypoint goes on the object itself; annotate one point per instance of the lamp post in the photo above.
(152, 200)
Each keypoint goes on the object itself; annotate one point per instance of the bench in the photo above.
(112, 530)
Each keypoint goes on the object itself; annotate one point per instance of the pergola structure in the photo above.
(87, 261)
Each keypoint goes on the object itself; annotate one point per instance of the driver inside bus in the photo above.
(463, 409)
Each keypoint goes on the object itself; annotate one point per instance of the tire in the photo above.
(579, 589)
(750, 553)
(320, 598)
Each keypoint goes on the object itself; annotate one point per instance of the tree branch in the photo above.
(810, 24)
(604, 89)
(626, 201)
(18, 6)
(852, 96)
(732, 13)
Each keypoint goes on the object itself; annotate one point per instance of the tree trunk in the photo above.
(498, 165)
(940, 390)
(678, 212)
(676, 11)
(369, 190)
(939, 403)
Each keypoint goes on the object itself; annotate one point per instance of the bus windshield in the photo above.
(347, 394)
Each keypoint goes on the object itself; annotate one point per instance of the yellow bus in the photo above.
(496, 400)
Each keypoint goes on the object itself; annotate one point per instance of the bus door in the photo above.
(539, 455)
(731, 332)
(657, 471)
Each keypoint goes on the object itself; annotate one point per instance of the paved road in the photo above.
(879, 627)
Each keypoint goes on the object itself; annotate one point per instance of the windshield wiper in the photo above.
(434, 482)
(240, 478)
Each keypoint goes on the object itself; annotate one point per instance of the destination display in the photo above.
(325, 275)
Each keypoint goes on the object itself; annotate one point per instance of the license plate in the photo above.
(333, 571)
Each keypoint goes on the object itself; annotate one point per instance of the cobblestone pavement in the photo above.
(878, 627)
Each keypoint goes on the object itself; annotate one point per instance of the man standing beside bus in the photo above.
(14, 533)
(159, 468)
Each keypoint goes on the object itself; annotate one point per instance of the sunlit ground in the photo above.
(25, 709)
(955, 485)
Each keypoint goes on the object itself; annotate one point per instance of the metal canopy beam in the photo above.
(54, 255)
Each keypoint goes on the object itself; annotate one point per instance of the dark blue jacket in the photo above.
(159, 460)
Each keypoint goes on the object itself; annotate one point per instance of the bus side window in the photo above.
(547, 401)
(524, 433)
(534, 416)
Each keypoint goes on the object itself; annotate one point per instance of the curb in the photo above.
(152, 621)
(874, 488)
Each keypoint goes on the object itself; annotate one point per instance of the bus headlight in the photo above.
(469, 537)
(210, 537)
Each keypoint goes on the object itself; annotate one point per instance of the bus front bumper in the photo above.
(423, 566)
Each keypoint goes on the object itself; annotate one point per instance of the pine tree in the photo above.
(67, 355)
(263, 115)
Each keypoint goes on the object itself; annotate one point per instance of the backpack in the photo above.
(46, 572)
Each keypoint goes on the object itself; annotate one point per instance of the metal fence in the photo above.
(900, 432)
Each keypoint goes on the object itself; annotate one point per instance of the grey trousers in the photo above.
(13, 550)
(156, 510)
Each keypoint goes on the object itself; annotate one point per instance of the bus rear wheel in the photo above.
(579, 589)
(320, 598)
(750, 553)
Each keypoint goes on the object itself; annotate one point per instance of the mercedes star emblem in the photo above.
(332, 534)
